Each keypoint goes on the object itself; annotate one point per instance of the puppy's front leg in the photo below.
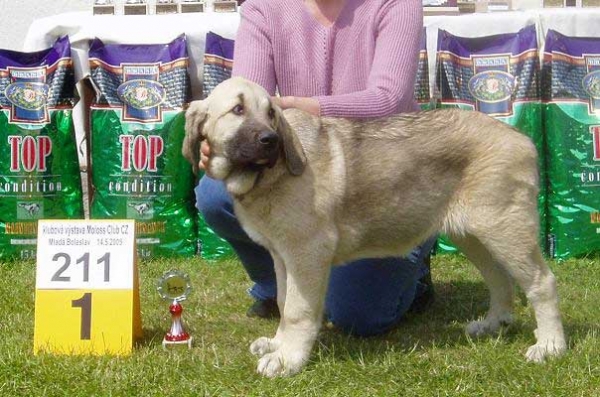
(306, 284)
(264, 345)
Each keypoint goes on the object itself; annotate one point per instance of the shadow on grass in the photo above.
(578, 331)
(442, 324)
(152, 337)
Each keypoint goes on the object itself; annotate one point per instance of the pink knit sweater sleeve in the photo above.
(253, 51)
(390, 86)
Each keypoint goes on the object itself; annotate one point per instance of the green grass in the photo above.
(427, 355)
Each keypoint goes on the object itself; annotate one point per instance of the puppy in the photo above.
(321, 191)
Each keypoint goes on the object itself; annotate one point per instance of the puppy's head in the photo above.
(246, 132)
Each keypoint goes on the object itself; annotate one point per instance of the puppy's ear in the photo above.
(195, 117)
(295, 159)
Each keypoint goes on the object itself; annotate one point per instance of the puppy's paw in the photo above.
(545, 349)
(476, 329)
(263, 346)
(489, 326)
(280, 363)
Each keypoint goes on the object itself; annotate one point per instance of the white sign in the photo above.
(87, 290)
(85, 254)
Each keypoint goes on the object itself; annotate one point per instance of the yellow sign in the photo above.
(87, 290)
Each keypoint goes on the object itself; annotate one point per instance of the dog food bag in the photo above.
(39, 168)
(422, 92)
(497, 75)
(137, 131)
(571, 93)
(218, 61)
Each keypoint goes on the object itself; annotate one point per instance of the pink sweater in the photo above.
(363, 66)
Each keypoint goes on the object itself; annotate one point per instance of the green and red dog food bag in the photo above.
(571, 94)
(137, 130)
(39, 166)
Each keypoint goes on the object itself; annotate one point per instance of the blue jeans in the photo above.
(365, 297)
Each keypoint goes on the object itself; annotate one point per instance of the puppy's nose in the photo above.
(268, 138)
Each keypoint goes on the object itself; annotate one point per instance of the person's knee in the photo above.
(215, 208)
(212, 211)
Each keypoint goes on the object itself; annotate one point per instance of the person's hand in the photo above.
(284, 102)
(204, 155)
(310, 105)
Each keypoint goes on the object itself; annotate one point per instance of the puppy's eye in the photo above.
(271, 113)
(238, 110)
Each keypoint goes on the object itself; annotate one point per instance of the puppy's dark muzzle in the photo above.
(268, 148)
(268, 139)
(256, 149)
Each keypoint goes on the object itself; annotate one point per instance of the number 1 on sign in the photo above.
(85, 304)
(106, 259)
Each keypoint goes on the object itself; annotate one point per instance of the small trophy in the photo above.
(175, 287)
(187, 6)
(166, 7)
(103, 7)
(135, 7)
(225, 6)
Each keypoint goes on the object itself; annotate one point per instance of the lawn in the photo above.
(427, 355)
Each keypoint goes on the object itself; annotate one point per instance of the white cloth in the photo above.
(132, 29)
(149, 29)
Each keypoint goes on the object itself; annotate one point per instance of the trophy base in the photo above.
(191, 6)
(135, 9)
(166, 343)
(104, 9)
(170, 8)
(225, 6)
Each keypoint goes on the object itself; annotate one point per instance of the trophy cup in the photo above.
(186, 6)
(225, 6)
(166, 7)
(103, 7)
(175, 287)
(135, 7)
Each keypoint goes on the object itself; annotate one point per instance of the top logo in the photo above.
(142, 94)
(591, 84)
(27, 95)
(492, 86)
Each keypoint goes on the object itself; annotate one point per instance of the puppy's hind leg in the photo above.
(499, 283)
(521, 257)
